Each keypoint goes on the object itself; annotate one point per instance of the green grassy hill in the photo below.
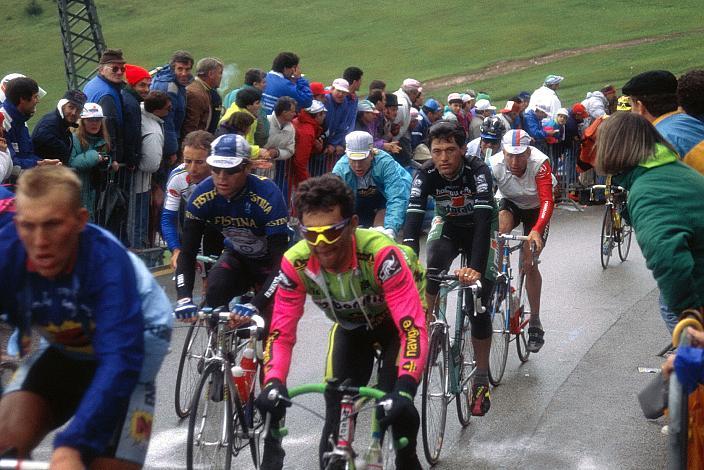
(388, 40)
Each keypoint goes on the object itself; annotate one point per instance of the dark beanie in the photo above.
(76, 97)
(654, 82)
(112, 55)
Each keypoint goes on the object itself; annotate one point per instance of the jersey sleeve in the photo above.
(482, 215)
(543, 181)
(277, 217)
(415, 213)
(288, 309)
(404, 303)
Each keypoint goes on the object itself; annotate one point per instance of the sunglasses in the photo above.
(117, 68)
(327, 233)
(228, 171)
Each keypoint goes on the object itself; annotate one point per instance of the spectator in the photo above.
(381, 186)
(253, 78)
(534, 125)
(469, 100)
(285, 79)
(318, 91)
(509, 115)
(391, 128)
(453, 111)
(558, 123)
(282, 136)
(430, 112)
(7, 209)
(377, 85)
(342, 110)
(525, 99)
(52, 135)
(574, 123)
(309, 139)
(547, 96)
(378, 99)
(249, 101)
(133, 93)
(367, 117)
(596, 104)
(105, 90)
(238, 123)
(173, 79)
(610, 93)
(482, 110)
(670, 236)
(90, 154)
(7, 78)
(353, 75)
(690, 96)
(5, 159)
(203, 102)
(409, 92)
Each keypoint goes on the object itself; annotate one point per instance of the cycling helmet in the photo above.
(492, 128)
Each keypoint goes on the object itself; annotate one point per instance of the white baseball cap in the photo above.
(542, 107)
(341, 84)
(315, 107)
(454, 97)
(484, 105)
(412, 83)
(92, 111)
(12, 76)
(359, 144)
(516, 141)
(563, 111)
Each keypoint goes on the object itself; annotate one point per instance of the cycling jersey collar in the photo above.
(457, 175)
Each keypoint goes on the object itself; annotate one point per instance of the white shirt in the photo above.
(179, 187)
(523, 190)
(547, 97)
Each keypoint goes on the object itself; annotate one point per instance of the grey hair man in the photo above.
(203, 102)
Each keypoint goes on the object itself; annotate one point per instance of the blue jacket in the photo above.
(340, 119)
(534, 126)
(108, 96)
(278, 86)
(681, 130)
(390, 178)
(17, 135)
(51, 137)
(165, 81)
(92, 313)
(7, 206)
(420, 133)
(133, 127)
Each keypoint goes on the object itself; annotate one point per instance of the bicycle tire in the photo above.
(213, 390)
(243, 424)
(624, 241)
(389, 456)
(191, 365)
(607, 237)
(500, 306)
(434, 395)
(465, 367)
(522, 335)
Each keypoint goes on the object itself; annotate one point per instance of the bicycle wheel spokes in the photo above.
(523, 316)
(607, 236)
(190, 367)
(465, 366)
(624, 242)
(209, 443)
(435, 395)
(500, 305)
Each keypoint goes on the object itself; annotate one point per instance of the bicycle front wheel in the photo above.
(190, 366)
(209, 443)
(465, 366)
(521, 320)
(624, 242)
(500, 305)
(607, 237)
(434, 395)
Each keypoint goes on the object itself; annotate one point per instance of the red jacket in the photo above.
(307, 132)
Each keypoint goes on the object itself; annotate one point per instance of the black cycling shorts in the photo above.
(528, 217)
(234, 274)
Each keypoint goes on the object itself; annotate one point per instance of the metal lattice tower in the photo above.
(82, 40)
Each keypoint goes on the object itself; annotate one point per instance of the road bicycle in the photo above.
(615, 228)
(510, 311)
(381, 452)
(450, 364)
(222, 422)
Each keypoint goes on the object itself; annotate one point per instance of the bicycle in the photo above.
(354, 401)
(221, 423)
(450, 364)
(615, 229)
(509, 316)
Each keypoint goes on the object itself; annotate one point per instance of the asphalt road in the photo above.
(572, 406)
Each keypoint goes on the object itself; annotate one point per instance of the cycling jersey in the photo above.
(92, 313)
(530, 191)
(179, 188)
(376, 285)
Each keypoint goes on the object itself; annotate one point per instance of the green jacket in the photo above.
(666, 207)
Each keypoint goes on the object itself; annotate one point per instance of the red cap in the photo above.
(135, 73)
(579, 110)
(317, 88)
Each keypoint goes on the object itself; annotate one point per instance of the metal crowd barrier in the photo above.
(317, 166)
(563, 160)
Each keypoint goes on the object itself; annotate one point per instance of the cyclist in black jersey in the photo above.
(464, 214)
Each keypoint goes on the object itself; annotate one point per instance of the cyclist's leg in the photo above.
(350, 356)
(213, 244)
(226, 280)
(440, 251)
(534, 282)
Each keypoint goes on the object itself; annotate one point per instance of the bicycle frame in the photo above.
(512, 324)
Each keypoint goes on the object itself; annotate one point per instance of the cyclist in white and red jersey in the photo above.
(524, 178)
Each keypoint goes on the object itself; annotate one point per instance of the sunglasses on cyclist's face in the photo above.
(327, 233)
(228, 171)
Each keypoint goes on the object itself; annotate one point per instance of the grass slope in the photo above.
(389, 40)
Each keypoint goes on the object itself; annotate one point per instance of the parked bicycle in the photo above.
(450, 364)
(510, 311)
(223, 419)
(615, 229)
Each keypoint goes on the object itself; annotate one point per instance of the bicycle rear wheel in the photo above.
(190, 367)
(434, 395)
(624, 241)
(607, 237)
(210, 436)
(465, 366)
(500, 305)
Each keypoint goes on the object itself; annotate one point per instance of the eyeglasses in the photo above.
(117, 68)
(228, 171)
(327, 233)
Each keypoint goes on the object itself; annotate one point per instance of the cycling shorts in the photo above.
(528, 217)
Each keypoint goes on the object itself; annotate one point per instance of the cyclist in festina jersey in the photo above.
(105, 322)
(525, 182)
(251, 214)
(465, 211)
(369, 287)
(181, 184)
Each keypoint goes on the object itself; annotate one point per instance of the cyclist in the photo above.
(489, 141)
(525, 182)
(250, 212)
(181, 184)
(465, 209)
(76, 284)
(364, 283)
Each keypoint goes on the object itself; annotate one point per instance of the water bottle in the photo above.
(243, 374)
(516, 313)
(373, 459)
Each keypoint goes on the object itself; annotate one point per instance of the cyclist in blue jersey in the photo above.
(251, 214)
(76, 285)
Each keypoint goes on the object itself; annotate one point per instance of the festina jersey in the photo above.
(525, 191)
(179, 187)
(246, 219)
